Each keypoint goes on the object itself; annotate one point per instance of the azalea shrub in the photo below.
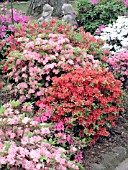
(115, 35)
(6, 23)
(95, 13)
(7, 27)
(118, 64)
(84, 102)
(78, 38)
(39, 53)
(26, 144)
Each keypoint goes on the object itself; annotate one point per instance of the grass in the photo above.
(19, 6)
(24, 6)
(74, 4)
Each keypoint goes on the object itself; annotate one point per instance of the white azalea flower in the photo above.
(116, 35)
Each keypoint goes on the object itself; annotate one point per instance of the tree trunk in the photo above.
(36, 6)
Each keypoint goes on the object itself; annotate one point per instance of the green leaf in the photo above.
(11, 65)
(43, 158)
(53, 160)
(2, 109)
(1, 153)
(47, 125)
(52, 142)
(30, 134)
(28, 103)
(96, 127)
(80, 165)
(8, 167)
(15, 103)
(92, 84)
(8, 144)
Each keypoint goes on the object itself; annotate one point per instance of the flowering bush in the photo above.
(94, 13)
(6, 26)
(77, 38)
(119, 65)
(25, 144)
(116, 35)
(40, 54)
(85, 103)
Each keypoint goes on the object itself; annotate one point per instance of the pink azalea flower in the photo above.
(45, 131)
(126, 3)
(36, 118)
(42, 106)
(101, 27)
(59, 126)
(94, 1)
(31, 91)
(79, 157)
(73, 149)
(44, 118)
(29, 108)
(25, 120)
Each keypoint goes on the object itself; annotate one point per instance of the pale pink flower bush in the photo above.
(26, 144)
(119, 65)
(64, 137)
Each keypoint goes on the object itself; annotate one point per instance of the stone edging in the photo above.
(112, 159)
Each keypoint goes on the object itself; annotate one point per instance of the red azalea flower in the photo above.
(53, 21)
(104, 58)
(90, 131)
(44, 24)
(1, 84)
(5, 69)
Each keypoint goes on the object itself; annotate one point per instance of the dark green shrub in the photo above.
(91, 16)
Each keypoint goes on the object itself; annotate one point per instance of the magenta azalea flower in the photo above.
(94, 1)
(126, 3)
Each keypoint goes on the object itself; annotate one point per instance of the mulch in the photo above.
(118, 137)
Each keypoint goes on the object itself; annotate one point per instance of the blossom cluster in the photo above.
(35, 59)
(116, 35)
(126, 2)
(85, 103)
(6, 25)
(118, 64)
(26, 144)
(94, 1)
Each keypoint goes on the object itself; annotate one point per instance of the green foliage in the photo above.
(15, 103)
(7, 146)
(19, 6)
(91, 16)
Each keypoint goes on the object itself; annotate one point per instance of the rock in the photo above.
(127, 150)
(113, 159)
(110, 160)
(98, 167)
(123, 165)
(121, 152)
